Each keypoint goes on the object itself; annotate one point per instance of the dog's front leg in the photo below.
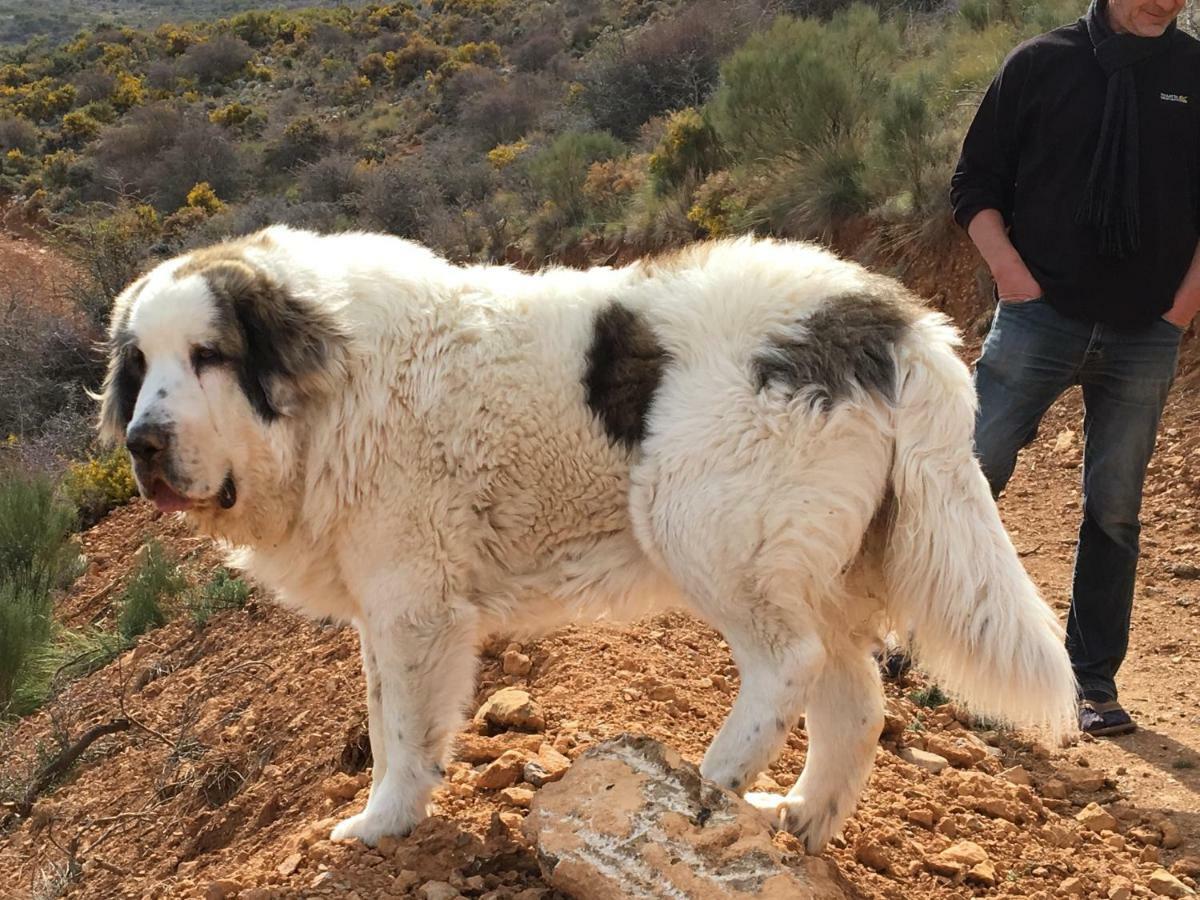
(424, 669)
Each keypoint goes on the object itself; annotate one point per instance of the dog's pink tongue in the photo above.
(168, 500)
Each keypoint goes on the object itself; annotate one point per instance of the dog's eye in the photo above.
(205, 356)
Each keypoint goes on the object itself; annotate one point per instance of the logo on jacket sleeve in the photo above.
(1173, 98)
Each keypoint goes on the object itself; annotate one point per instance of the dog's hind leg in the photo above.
(843, 717)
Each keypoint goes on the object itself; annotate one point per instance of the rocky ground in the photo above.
(247, 740)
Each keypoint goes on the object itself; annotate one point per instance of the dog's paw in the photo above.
(813, 823)
(768, 806)
(369, 828)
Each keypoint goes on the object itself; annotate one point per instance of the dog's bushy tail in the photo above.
(978, 624)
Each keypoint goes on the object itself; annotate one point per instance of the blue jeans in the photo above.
(1032, 354)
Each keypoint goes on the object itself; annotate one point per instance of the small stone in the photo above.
(1081, 778)
(518, 796)
(721, 683)
(1165, 884)
(1120, 888)
(549, 765)
(983, 873)
(405, 881)
(511, 709)
(387, 845)
(1149, 854)
(219, 890)
(437, 890)
(515, 663)
(956, 859)
(894, 719)
(477, 748)
(504, 772)
(1072, 887)
(1018, 775)
(1147, 834)
(1188, 866)
(289, 865)
(1115, 841)
(1055, 789)
(931, 762)
(873, 854)
(342, 787)
(920, 816)
(1095, 818)
(957, 751)
(663, 692)
(1171, 836)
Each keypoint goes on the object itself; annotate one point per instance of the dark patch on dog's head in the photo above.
(848, 340)
(625, 366)
(282, 348)
(122, 383)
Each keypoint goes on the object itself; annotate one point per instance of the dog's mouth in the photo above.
(167, 499)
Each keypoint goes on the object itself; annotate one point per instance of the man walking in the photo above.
(1079, 183)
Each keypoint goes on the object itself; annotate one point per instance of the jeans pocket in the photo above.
(1032, 301)
(1175, 328)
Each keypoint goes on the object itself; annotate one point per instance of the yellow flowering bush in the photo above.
(504, 155)
(99, 484)
(203, 197)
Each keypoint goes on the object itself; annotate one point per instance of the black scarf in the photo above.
(1111, 199)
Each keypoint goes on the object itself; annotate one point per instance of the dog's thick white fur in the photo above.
(773, 437)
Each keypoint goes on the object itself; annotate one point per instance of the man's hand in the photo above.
(1178, 317)
(1015, 283)
(1187, 297)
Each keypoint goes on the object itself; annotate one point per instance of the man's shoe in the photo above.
(1104, 719)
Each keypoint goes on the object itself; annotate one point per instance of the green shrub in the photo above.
(560, 172)
(907, 146)
(802, 84)
(155, 580)
(99, 484)
(811, 198)
(929, 697)
(223, 591)
(37, 555)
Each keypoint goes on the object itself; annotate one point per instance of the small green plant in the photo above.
(223, 591)
(1183, 763)
(929, 697)
(37, 554)
(155, 580)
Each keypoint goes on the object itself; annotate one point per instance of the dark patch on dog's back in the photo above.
(848, 340)
(625, 365)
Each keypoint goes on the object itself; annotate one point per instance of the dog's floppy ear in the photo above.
(292, 350)
(122, 383)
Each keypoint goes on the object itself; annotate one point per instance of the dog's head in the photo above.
(209, 355)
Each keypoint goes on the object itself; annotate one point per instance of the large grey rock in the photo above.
(631, 819)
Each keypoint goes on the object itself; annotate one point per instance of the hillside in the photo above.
(54, 21)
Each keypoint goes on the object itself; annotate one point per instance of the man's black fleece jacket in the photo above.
(1028, 154)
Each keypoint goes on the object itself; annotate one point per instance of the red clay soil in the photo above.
(250, 741)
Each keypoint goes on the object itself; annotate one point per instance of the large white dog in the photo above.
(770, 435)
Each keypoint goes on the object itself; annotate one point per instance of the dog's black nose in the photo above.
(147, 441)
